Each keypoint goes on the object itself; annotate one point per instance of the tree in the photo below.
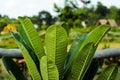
(113, 12)
(118, 16)
(45, 17)
(92, 17)
(70, 15)
(35, 20)
(102, 10)
(3, 21)
(75, 3)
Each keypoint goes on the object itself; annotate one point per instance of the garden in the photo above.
(77, 44)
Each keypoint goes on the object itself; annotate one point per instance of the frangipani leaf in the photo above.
(44, 68)
(77, 42)
(95, 37)
(32, 37)
(92, 70)
(28, 59)
(24, 36)
(65, 26)
(80, 62)
(25, 40)
(109, 73)
(53, 73)
(56, 46)
(48, 70)
(13, 69)
(97, 34)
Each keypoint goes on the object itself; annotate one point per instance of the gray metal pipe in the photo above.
(16, 53)
(110, 52)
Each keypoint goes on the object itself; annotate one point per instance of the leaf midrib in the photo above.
(85, 63)
(111, 73)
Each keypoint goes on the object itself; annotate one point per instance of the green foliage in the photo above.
(32, 67)
(4, 20)
(92, 70)
(53, 62)
(102, 10)
(71, 16)
(94, 37)
(43, 67)
(56, 46)
(77, 71)
(13, 69)
(109, 73)
(31, 39)
(71, 13)
(43, 19)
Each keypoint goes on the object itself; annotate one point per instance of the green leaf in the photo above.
(44, 68)
(56, 46)
(109, 73)
(53, 73)
(23, 35)
(49, 70)
(92, 70)
(95, 37)
(80, 62)
(77, 42)
(97, 34)
(33, 37)
(25, 40)
(28, 59)
(13, 68)
(65, 26)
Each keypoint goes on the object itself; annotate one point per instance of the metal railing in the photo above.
(16, 53)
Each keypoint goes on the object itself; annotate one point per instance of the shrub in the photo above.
(53, 62)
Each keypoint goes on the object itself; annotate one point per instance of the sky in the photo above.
(15, 8)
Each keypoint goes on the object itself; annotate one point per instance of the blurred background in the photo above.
(81, 16)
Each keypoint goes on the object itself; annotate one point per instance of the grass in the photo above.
(110, 45)
(8, 43)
